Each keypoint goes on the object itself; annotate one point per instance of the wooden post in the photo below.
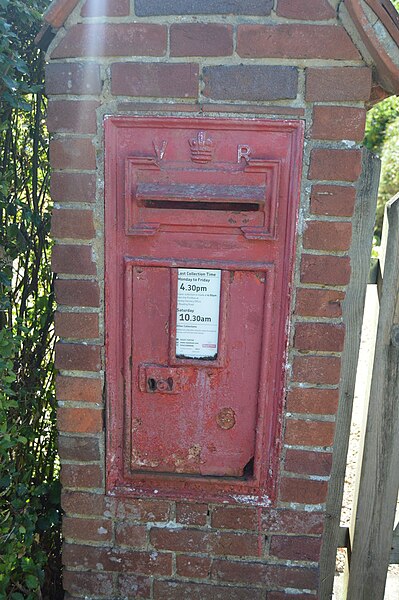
(362, 227)
(379, 480)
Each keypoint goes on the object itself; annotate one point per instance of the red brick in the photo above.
(145, 8)
(114, 8)
(76, 224)
(319, 303)
(313, 401)
(317, 369)
(292, 521)
(84, 503)
(295, 41)
(303, 491)
(309, 10)
(73, 78)
(75, 292)
(112, 39)
(295, 547)
(131, 535)
(179, 590)
(79, 389)
(250, 82)
(332, 200)
(78, 357)
(81, 476)
(77, 326)
(261, 573)
(307, 462)
(143, 510)
(309, 433)
(90, 530)
(155, 79)
(134, 587)
(201, 39)
(114, 559)
(236, 544)
(338, 123)
(79, 420)
(328, 235)
(338, 84)
(325, 270)
(325, 337)
(195, 567)
(180, 540)
(72, 153)
(73, 187)
(71, 447)
(234, 518)
(73, 259)
(191, 514)
(330, 164)
(72, 116)
(78, 583)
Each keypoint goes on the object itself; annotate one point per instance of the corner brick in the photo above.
(143, 510)
(73, 187)
(78, 583)
(319, 303)
(116, 8)
(234, 518)
(338, 123)
(327, 235)
(134, 536)
(313, 401)
(250, 82)
(338, 84)
(79, 420)
(295, 547)
(292, 521)
(201, 39)
(73, 259)
(332, 200)
(79, 448)
(91, 530)
(309, 433)
(77, 326)
(76, 292)
(81, 476)
(78, 357)
(323, 337)
(266, 574)
(303, 491)
(317, 369)
(185, 590)
(295, 41)
(306, 462)
(77, 224)
(73, 78)
(197, 567)
(112, 39)
(325, 270)
(84, 503)
(79, 389)
(114, 559)
(72, 116)
(72, 153)
(147, 8)
(155, 79)
(308, 10)
(191, 514)
(330, 164)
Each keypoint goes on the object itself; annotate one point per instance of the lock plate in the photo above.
(156, 379)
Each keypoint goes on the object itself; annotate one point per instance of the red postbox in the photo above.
(199, 244)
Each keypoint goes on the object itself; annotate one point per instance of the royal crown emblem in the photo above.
(201, 148)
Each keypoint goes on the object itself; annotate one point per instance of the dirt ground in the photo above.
(364, 367)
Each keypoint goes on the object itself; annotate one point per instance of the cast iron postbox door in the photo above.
(200, 221)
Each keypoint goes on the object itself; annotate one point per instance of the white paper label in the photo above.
(197, 319)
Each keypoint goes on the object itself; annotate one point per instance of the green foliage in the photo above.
(389, 182)
(29, 487)
(378, 119)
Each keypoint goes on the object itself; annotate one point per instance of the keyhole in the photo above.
(152, 384)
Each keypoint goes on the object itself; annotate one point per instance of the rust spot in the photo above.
(226, 418)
